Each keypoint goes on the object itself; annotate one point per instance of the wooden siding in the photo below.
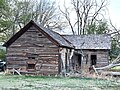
(102, 59)
(30, 43)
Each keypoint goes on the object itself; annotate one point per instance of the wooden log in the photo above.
(107, 67)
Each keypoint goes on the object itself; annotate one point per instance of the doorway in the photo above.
(93, 59)
(79, 59)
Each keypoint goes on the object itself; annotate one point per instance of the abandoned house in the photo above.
(37, 50)
(90, 50)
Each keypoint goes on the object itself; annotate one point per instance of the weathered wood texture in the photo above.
(33, 44)
(65, 60)
(101, 60)
(102, 57)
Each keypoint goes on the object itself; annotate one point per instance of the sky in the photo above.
(113, 11)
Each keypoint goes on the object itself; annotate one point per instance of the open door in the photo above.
(79, 59)
(93, 59)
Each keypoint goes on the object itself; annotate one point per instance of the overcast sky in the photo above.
(113, 11)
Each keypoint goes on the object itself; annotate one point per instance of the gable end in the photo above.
(48, 33)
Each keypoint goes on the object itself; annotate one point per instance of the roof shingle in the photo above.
(90, 41)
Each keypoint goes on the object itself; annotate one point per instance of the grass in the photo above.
(56, 83)
(116, 68)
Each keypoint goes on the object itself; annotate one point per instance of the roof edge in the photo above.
(25, 28)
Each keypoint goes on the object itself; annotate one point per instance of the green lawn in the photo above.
(116, 68)
(56, 83)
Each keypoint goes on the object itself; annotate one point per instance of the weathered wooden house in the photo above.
(90, 50)
(37, 50)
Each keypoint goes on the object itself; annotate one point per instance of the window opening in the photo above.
(31, 66)
(31, 57)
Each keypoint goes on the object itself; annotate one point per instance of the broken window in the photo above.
(31, 62)
(39, 34)
(93, 59)
(31, 57)
(31, 66)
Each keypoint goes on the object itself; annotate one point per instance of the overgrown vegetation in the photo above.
(115, 50)
(116, 68)
(2, 54)
(56, 83)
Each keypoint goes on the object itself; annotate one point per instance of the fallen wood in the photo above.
(14, 70)
(95, 69)
(107, 67)
(115, 73)
(116, 60)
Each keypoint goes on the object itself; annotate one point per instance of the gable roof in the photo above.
(90, 41)
(57, 38)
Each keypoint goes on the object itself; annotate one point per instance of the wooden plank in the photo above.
(46, 67)
(48, 71)
(34, 42)
(17, 63)
(50, 65)
(16, 60)
(50, 62)
(15, 66)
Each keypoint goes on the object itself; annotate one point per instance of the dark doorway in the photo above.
(79, 59)
(93, 59)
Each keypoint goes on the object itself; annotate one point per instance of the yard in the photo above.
(9, 82)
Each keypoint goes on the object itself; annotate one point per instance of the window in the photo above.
(93, 59)
(31, 66)
(31, 57)
(31, 62)
(39, 34)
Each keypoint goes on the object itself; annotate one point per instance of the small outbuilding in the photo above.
(90, 50)
(40, 51)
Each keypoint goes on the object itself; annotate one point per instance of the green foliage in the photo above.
(116, 68)
(91, 28)
(14, 14)
(100, 27)
(51, 83)
(2, 54)
(115, 50)
(2, 4)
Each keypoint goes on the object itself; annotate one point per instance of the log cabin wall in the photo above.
(101, 57)
(33, 52)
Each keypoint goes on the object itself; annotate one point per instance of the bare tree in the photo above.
(19, 12)
(87, 13)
